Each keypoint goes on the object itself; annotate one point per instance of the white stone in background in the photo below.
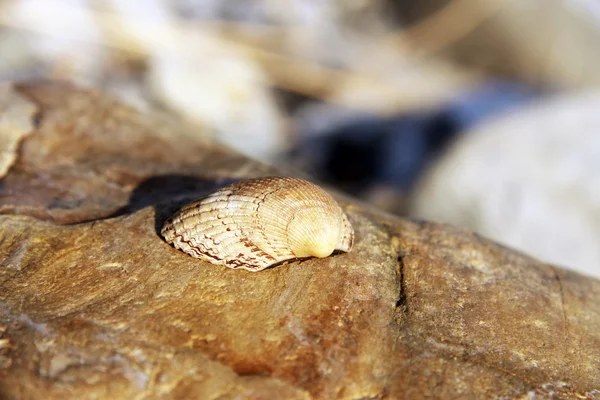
(204, 78)
(64, 35)
(212, 83)
(585, 7)
(530, 179)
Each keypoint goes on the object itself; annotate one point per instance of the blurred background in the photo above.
(480, 113)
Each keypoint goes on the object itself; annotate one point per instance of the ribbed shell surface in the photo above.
(256, 223)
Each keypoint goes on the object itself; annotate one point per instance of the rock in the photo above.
(94, 304)
(529, 180)
(209, 81)
(47, 38)
(198, 74)
(16, 116)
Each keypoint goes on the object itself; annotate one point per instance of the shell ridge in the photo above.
(246, 236)
(259, 222)
(194, 249)
(218, 214)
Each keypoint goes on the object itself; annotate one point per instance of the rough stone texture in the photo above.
(94, 304)
(528, 179)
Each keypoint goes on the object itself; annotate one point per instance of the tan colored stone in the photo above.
(16, 122)
(104, 308)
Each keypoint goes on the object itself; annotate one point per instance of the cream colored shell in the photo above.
(256, 223)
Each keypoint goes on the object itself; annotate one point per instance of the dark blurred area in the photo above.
(478, 113)
(382, 158)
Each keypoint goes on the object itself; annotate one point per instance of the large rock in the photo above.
(94, 304)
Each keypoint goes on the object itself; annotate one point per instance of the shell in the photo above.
(257, 223)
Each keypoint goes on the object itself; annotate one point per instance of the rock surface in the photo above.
(94, 304)
(528, 179)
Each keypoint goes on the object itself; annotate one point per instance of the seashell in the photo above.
(257, 223)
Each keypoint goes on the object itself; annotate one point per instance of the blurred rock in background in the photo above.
(529, 179)
(363, 95)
